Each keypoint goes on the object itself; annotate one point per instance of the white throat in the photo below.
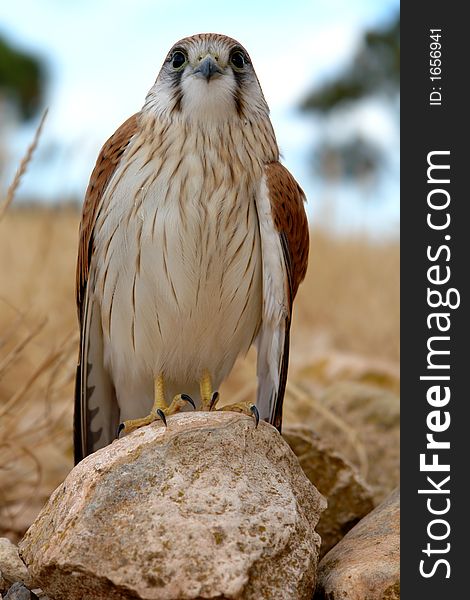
(212, 100)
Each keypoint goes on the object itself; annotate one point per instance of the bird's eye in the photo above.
(238, 59)
(178, 59)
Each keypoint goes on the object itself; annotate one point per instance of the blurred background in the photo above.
(330, 74)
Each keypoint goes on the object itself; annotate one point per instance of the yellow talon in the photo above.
(247, 408)
(160, 409)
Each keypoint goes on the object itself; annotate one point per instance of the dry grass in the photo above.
(346, 324)
(37, 345)
(22, 167)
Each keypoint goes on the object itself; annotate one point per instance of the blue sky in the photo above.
(103, 56)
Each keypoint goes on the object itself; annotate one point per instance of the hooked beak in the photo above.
(208, 68)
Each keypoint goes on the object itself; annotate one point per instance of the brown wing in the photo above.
(96, 412)
(106, 164)
(287, 205)
(284, 247)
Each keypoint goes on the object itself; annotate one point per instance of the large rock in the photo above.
(349, 497)
(208, 508)
(365, 565)
(12, 568)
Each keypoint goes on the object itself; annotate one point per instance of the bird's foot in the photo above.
(160, 409)
(247, 408)
(209, 400)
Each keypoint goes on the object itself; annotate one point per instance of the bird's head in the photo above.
(207, 78)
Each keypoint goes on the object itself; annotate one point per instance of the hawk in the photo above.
(192, 244)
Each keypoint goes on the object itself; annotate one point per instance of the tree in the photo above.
(374, 71)
(22, 80)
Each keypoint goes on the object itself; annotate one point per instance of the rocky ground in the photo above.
(366, 562)
(212, 508)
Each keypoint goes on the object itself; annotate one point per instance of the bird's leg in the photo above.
(209, 400)
(160, 409)
(208, 397)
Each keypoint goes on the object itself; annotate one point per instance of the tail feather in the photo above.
(96, 415)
